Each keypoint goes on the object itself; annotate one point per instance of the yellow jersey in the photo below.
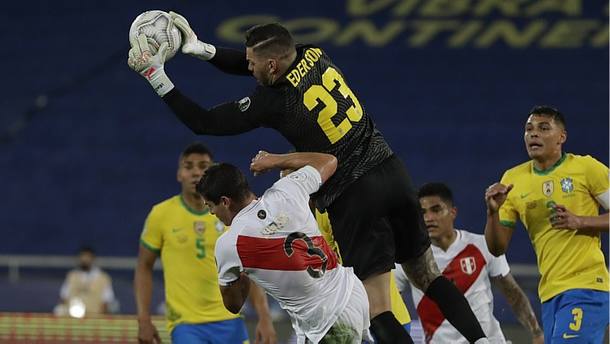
(567, 259)
(185, 239)
(398, 306)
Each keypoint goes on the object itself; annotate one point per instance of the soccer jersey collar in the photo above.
(246, 209)
(191, 210)
(458, 238)
(550, 169)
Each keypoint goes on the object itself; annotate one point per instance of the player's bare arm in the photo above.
(264, 332)
(147, 332)
(497, 235)
(235, 294)
(520, 305)
(326, 164)
(422, 270)
(563, 218)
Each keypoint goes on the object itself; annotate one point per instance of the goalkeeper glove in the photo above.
(190, 44)
(150, 66)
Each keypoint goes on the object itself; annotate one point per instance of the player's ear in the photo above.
(272, 65)
(454, 211)
(225, 201)
(563, 137)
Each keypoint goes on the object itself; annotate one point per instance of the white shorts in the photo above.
(354, 321)
(352, 325)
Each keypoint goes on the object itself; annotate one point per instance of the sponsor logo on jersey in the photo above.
(261, 214)
(567, 185)
(547, 188)
(244, 104)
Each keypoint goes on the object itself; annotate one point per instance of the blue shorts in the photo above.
(576, 316)
(221, 332)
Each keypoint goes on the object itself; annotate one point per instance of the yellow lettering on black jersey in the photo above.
(310, 57)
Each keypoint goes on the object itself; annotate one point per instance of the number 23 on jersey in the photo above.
(316, 94)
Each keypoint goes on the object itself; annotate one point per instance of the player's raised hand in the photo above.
(262, 162)
(141, 59)
(191, 45)
(151, 67)
(495, 195)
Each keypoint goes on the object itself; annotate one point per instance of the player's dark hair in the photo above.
(548, 111)
(436, 189)
(270, 38)
(196, 148)
(223, 180)
(86, 249)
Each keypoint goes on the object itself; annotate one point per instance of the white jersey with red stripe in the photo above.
(275, 240)
(468, 264)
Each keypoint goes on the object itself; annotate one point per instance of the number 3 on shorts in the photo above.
(577, 313)
(321, 93)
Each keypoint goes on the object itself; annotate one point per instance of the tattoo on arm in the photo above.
(422, 270)
(518, 302)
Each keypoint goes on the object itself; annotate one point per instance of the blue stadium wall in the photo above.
(87, 147)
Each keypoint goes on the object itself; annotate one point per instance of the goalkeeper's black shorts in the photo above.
(377, 220)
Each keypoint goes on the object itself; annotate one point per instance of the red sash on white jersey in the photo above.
(463, 271)
(287, 254)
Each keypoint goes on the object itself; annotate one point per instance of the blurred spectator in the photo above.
(87, 290)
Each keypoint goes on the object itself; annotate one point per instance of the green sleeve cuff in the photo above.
(150, 248)
(509, 224)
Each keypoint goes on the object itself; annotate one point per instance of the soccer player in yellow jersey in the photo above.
(183, 233)
(557, 197)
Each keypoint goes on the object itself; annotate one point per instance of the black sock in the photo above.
(387, 330)
(455, 308)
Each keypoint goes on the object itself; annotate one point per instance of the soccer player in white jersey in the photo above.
(464, 258)
(274, 241)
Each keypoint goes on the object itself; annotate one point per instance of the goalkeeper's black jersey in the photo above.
(311, 106)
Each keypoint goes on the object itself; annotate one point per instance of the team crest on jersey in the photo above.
(567, 185)
(547, 188)
(276, 225)
(244, 104)
(468, 265)
(199, 227)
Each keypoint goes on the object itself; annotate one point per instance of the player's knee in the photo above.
(378, 292)
(419, 275)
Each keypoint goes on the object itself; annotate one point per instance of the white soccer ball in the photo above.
(158, 27)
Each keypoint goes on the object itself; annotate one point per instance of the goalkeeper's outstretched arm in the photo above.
(228, 60)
